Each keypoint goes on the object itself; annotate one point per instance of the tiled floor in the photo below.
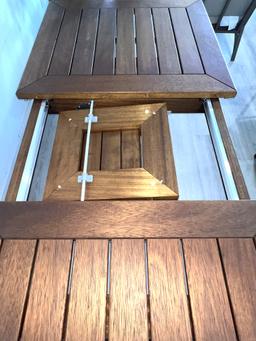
(240, 112)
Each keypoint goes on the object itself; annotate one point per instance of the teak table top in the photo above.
(126, 49)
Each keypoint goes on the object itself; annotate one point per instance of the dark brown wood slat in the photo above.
(189, 56)
(158, 158)
(213, 61)
(239, 259)
(63, 53)
(146, 50)
(122, 3)
(166, 46)
(230, 150)
(168, 301)
(136, 219)
(127, 87)
(95, 151)
(125, 50)
(45, 311)
(130, 149)
(208, 295)
(104, 54)
(41, 54)
(111, 150)
(66, 153)
(87, 307)
(128, 299)
(85, 47)
(15, 267)
(23, 152)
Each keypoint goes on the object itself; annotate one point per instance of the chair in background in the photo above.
(217, 9)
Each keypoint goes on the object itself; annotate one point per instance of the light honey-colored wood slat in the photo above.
(16, 259)
(158, 158)
(45, 311)
(115, 118)
(87, 307)
(131, 149)
(66, 154)
(111, 150)
(125, 49)
(208, 295)
(134, 183)
(128, 299)
(168, 302)
(239, 259)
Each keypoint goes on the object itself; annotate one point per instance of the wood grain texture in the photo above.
(43, 48)
(126, 87)
(23, 152)
(168, 302)
(45, 311)
(166, 46)
(65, 159)
(15, 266)
(136, 219)
(125, 50)
(157, 153)
(231, 154)
(146, 50)
(95, 151)
(63, 54)
(208, 294)
(128, 300)
(115, 118)
(134, 183)
(111, 150)
(239, 259)
(207, 43)
(131, 156)
(104, 53)
(86, 41)
(189, 56)
(87, 307)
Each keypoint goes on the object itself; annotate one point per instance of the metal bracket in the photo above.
(85, 177)
(91, 118)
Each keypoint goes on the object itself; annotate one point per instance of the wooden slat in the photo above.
(122, 3)
(128, 300)
(104, 54)
(239, 258)
(87, 308)
(158, 158)
(85, 47)
(209, 301)
(15, 267)
(41, 54)
(168, 301)
(146, 51)
(230, 150)
(166, 46)
(115, 118)
(45, 311)
(134, 183)
(111, 150)
(125, 51)
(95, 152)
(189, 56)
(213, 61)
(65, 159)
(63, 53)
(130, 149)
(23, 152)
(136, 219)
(127, 87)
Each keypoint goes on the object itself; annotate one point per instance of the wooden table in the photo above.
(63, 279)
(126, 50)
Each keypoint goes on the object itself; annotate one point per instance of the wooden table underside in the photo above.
(126, 50)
